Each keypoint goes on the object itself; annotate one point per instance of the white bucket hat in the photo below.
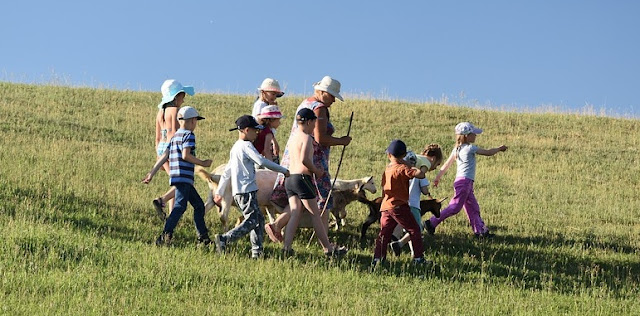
(271, 111)
(330, 85)
(170, 88)
(270, 84)
(466, 128)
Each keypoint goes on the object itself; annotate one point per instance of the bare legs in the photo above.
(318, 225)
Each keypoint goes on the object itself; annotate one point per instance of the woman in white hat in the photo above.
(326, 91)
(173, 93)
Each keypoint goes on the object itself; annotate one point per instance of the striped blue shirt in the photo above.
(181, 170)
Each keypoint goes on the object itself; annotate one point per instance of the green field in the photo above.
(77, 226)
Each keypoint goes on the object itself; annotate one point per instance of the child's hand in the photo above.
(207, 163)
(503, 148)
(217, 200)
(147, 178)
(436, 181)
(287, 174)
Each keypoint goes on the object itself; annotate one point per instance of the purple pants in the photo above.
(463, 197)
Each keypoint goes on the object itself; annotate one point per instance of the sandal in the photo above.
(159, 205)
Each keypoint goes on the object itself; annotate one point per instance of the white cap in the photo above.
(187, 112)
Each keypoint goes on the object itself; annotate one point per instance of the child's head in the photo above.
(466, 133)
(396, 150)
(188, 118)
(306, 120)
(433, 152)
(270, 116)
(270, 91)
(174, 92)
(247, 127)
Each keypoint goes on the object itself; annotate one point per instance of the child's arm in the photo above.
(266, 152)
(492, 151)
(444, 168)
(187, 156)
(419, 173)
(276, 147)
(253, 154)
(156, 167)
(222, 184)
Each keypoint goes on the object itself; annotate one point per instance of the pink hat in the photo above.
(271, 111)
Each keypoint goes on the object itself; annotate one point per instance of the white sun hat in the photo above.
(271, 111)
(466, 128)
(330, 85)
(170, 88)
(270, 84)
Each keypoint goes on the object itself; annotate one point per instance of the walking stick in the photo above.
(324, 208)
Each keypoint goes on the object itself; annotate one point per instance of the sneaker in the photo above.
(396, 247)
(159, 206)
(204, 240)
(220, 244)
(257, 255)
(486, 234)
(429, 228)
(377, 263)
(338, 251)
(273, 234)
(421, 262)
(164, 239)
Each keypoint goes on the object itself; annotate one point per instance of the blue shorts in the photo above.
(162, 146)
(416, 213)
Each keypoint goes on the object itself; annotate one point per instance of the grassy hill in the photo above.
(77, 226)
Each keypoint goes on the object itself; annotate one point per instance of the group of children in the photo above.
(403, 180)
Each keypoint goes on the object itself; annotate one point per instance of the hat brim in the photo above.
(278, 95)
(238, 127)
(186, 89)
(333, 93)
(197, 117)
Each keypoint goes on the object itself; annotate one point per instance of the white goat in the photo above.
(265, 180)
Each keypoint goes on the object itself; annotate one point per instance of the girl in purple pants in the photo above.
(464, 154)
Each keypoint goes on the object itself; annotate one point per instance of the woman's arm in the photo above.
(320, 132)
(158, 128)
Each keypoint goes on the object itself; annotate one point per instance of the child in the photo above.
(242, 160)
(395, 208)
(300, 186)
(269, 117)
(181, 154)
(465, 156)
(269, 91)
(173, 94)
(429, 160)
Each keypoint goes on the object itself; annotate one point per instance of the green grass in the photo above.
(77, 225)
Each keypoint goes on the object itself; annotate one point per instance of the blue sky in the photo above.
(513, 54)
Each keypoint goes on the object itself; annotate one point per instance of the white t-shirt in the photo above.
(415, 190)
(466, 161)
(241, 168)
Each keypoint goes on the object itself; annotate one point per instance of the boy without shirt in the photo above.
(300, 186)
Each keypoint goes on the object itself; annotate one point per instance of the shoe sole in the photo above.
(158, 206)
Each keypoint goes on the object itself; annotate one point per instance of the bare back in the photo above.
(301, 150)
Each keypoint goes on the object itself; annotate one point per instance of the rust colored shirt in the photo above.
(395, 185)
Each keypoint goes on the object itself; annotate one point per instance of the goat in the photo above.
(428, 205)
(265, 180)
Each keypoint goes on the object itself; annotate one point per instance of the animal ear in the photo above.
(442, 199)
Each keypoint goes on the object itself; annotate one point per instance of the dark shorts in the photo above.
(300, 185)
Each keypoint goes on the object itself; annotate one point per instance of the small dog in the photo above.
(429, 205)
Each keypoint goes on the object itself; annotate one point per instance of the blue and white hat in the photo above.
(170, 88)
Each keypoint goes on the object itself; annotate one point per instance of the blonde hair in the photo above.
(461, 139)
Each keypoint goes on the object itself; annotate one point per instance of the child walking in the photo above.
(395, 208)
(173, 94)
(269, 91)
(181, 153)
(464, 154)
(429, 160)
(300, 186)
(241, 172)
(269, 117)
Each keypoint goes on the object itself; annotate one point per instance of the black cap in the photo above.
(246, 121)
(397, 148)
(305, 115)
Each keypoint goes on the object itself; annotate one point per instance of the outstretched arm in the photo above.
(444, 168)
(187, 156)
(156, 167)
(492, 151)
